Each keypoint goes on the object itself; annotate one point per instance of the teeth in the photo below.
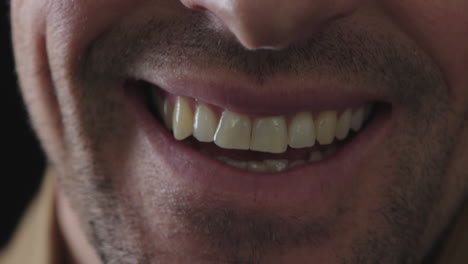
(182, 119)
(167, 113)
(269, 135)
(233, 131)
(296, 163)
(343, 125)
(302, 131)
(276, 165)
(326, 127)
(256, 166)
(205, 124)
(357, 119)
(233, 163)
(266, 134)
(165, 110)
(315, 156)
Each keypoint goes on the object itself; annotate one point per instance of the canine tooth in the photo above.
(257, 166)
(269, 135)
(276, 165)
(182, 119)
(164, 109)
(302, 131)
(233, 131)
(326, 127)
(205, 124)
(343, 125)
(315, 156)
(167, 112)
(357, 119)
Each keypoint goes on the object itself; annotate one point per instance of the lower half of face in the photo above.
(182, 146)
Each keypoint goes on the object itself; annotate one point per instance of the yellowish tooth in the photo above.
(276, 165)
(325, 126)
(233, 131)
(182, 119)
(343, 125)
(302, 131)
(167, 112)
(357, 119)
(205, 124)
(315, 156)
(269, 135)
(256, 166)
(296, 163)
(236, 163)
(164, 110)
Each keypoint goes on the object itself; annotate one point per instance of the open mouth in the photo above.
(260, 143)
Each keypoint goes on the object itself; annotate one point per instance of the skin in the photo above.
(118, 201)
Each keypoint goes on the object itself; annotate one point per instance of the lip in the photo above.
(306, 183)
(239, 94)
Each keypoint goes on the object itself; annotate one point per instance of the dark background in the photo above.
(22, 162)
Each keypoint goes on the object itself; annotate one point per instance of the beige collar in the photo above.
(36, 238)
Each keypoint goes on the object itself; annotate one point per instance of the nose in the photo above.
(274, 23)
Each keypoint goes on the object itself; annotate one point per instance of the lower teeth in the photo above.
(277, 165)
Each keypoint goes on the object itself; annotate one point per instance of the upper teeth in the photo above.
(266, 134)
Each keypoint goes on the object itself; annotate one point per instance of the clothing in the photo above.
(37, 239)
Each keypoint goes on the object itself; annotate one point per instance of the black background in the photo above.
(22, 160)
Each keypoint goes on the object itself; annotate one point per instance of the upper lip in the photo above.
(278, 95)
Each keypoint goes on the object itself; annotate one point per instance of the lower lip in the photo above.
(192, 168)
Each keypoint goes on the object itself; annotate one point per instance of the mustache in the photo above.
(393, 68)
(171, 42)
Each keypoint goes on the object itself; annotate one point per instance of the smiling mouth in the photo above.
(260, 143)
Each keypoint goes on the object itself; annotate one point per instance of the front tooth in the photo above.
(269, 135)
(233, 131)
(182, 119)
(276, 165)
(256, 166)
(302, 131)
(326, 127)
(357, 119)
(205, 124)
(343, 125)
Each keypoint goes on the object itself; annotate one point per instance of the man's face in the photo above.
(101, 78)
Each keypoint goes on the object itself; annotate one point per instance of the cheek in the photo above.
(72, 25)
(439, 27)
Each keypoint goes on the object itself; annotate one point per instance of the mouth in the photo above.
(272, 143)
